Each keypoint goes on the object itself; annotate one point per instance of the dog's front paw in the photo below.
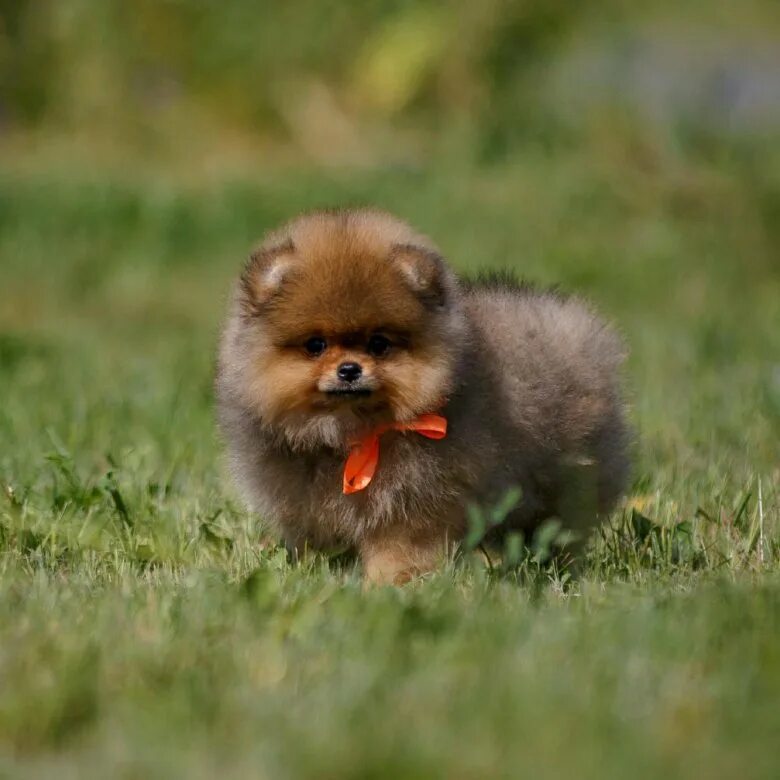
(396, 561)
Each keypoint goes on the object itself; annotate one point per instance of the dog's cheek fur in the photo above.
(417, 382)
(279, 382)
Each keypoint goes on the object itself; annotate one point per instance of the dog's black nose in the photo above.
(349, 372)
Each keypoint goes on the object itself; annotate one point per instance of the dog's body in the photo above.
(528, 383)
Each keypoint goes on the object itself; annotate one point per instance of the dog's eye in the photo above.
(378, 345)
(316, 345)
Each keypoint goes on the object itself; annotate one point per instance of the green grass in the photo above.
(148, 627)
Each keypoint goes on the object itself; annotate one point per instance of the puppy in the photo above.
(367, 396)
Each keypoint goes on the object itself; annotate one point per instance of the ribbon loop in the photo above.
(363, 458)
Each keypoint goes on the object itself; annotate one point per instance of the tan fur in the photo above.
(527, 380)
(396, 559)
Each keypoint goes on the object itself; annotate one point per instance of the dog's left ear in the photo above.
(424, 271)
(264, 274)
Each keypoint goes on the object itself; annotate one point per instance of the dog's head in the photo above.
(347, 319)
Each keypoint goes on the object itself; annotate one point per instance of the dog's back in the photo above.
(556, 367)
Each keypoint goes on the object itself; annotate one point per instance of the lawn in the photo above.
(149, 627)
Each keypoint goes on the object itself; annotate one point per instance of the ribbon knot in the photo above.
(363, 458)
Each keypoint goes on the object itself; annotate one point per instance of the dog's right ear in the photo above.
(264, 275)
(424, 271)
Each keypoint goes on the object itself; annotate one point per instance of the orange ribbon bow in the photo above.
(364, 456)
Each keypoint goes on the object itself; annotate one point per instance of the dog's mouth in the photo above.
(349, 392)
(364, 387)
(360, 401)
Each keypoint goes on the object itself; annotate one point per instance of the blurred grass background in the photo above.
(379, 84)
(628, 153)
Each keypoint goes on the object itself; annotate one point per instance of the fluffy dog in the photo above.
(367, 395)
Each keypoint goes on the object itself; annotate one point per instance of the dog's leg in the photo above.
(395, 559)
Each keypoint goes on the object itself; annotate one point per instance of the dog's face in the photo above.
(350, 320)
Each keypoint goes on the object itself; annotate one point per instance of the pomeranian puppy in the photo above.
(367, 395)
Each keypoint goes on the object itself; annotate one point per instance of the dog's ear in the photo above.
(264, 275)
(425, 272)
